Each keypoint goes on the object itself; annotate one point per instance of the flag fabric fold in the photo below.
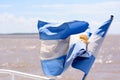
(58, 51)
(55, 44)
(95, 40)
(49, 31)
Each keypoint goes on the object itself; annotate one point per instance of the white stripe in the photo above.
(94, 45)
(53, 48)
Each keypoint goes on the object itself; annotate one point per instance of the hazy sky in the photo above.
(21, 16)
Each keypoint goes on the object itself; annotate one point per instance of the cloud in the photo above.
(5, 5)
(95, 14)
(98, 8)
(19, 24)
(49, 6)
(13, 24)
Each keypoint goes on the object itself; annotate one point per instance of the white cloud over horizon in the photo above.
(85, 8)
(12, 24)
(5, 5)
(93, 13)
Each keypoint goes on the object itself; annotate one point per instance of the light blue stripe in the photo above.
(61, 32)
(41, 24)
(104, 28)
(53, 67)
(84, 64)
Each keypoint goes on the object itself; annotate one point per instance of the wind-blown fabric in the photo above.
(49, 31)
(95, 40)
(55, 44)
(59, 50)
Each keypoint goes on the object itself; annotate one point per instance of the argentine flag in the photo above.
(59, 50)
(85, 57)
(55, 44)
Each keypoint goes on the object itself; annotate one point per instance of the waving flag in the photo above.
(59, 50)
(55, 44)
(84, 63)
(49, 31)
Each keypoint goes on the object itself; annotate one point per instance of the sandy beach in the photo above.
(21, 53)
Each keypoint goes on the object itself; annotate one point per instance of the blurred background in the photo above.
(21, 16)
(20, 44)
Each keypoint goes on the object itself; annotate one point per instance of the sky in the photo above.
(21, 16)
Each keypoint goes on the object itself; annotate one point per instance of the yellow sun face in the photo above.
(84, 38)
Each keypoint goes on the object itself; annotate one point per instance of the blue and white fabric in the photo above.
(59, 50)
